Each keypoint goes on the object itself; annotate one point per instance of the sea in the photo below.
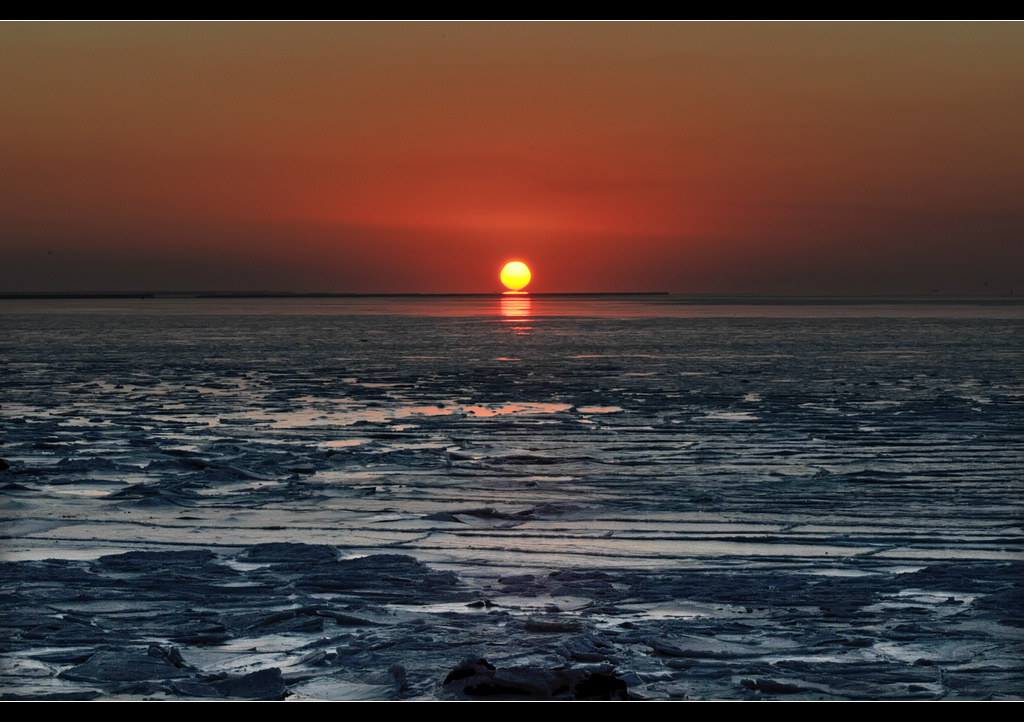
(518, 496)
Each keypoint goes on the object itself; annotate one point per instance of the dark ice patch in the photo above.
(771, 686)
(150, 561)
(266, 684)
(159, 494)
(289, 553)
(479, 679)
(392, 577)
(482, 517)
(123, 665)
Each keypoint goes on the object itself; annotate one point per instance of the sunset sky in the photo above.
(846, 158)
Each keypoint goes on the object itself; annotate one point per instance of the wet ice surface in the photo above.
(336, 502)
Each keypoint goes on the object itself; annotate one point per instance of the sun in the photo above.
(515, 275)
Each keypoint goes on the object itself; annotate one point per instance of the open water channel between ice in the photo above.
(511, 497)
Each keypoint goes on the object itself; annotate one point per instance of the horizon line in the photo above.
(695, 298)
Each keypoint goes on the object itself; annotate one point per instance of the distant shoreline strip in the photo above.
(657, 296)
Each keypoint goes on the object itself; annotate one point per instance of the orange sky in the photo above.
(419, 157)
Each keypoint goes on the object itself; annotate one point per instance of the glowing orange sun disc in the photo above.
(515, 275)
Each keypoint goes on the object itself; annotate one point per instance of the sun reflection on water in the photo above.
(516, 309)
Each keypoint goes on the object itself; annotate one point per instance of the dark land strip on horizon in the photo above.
(663, 296)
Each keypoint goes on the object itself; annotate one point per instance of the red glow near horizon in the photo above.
(409, 157)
